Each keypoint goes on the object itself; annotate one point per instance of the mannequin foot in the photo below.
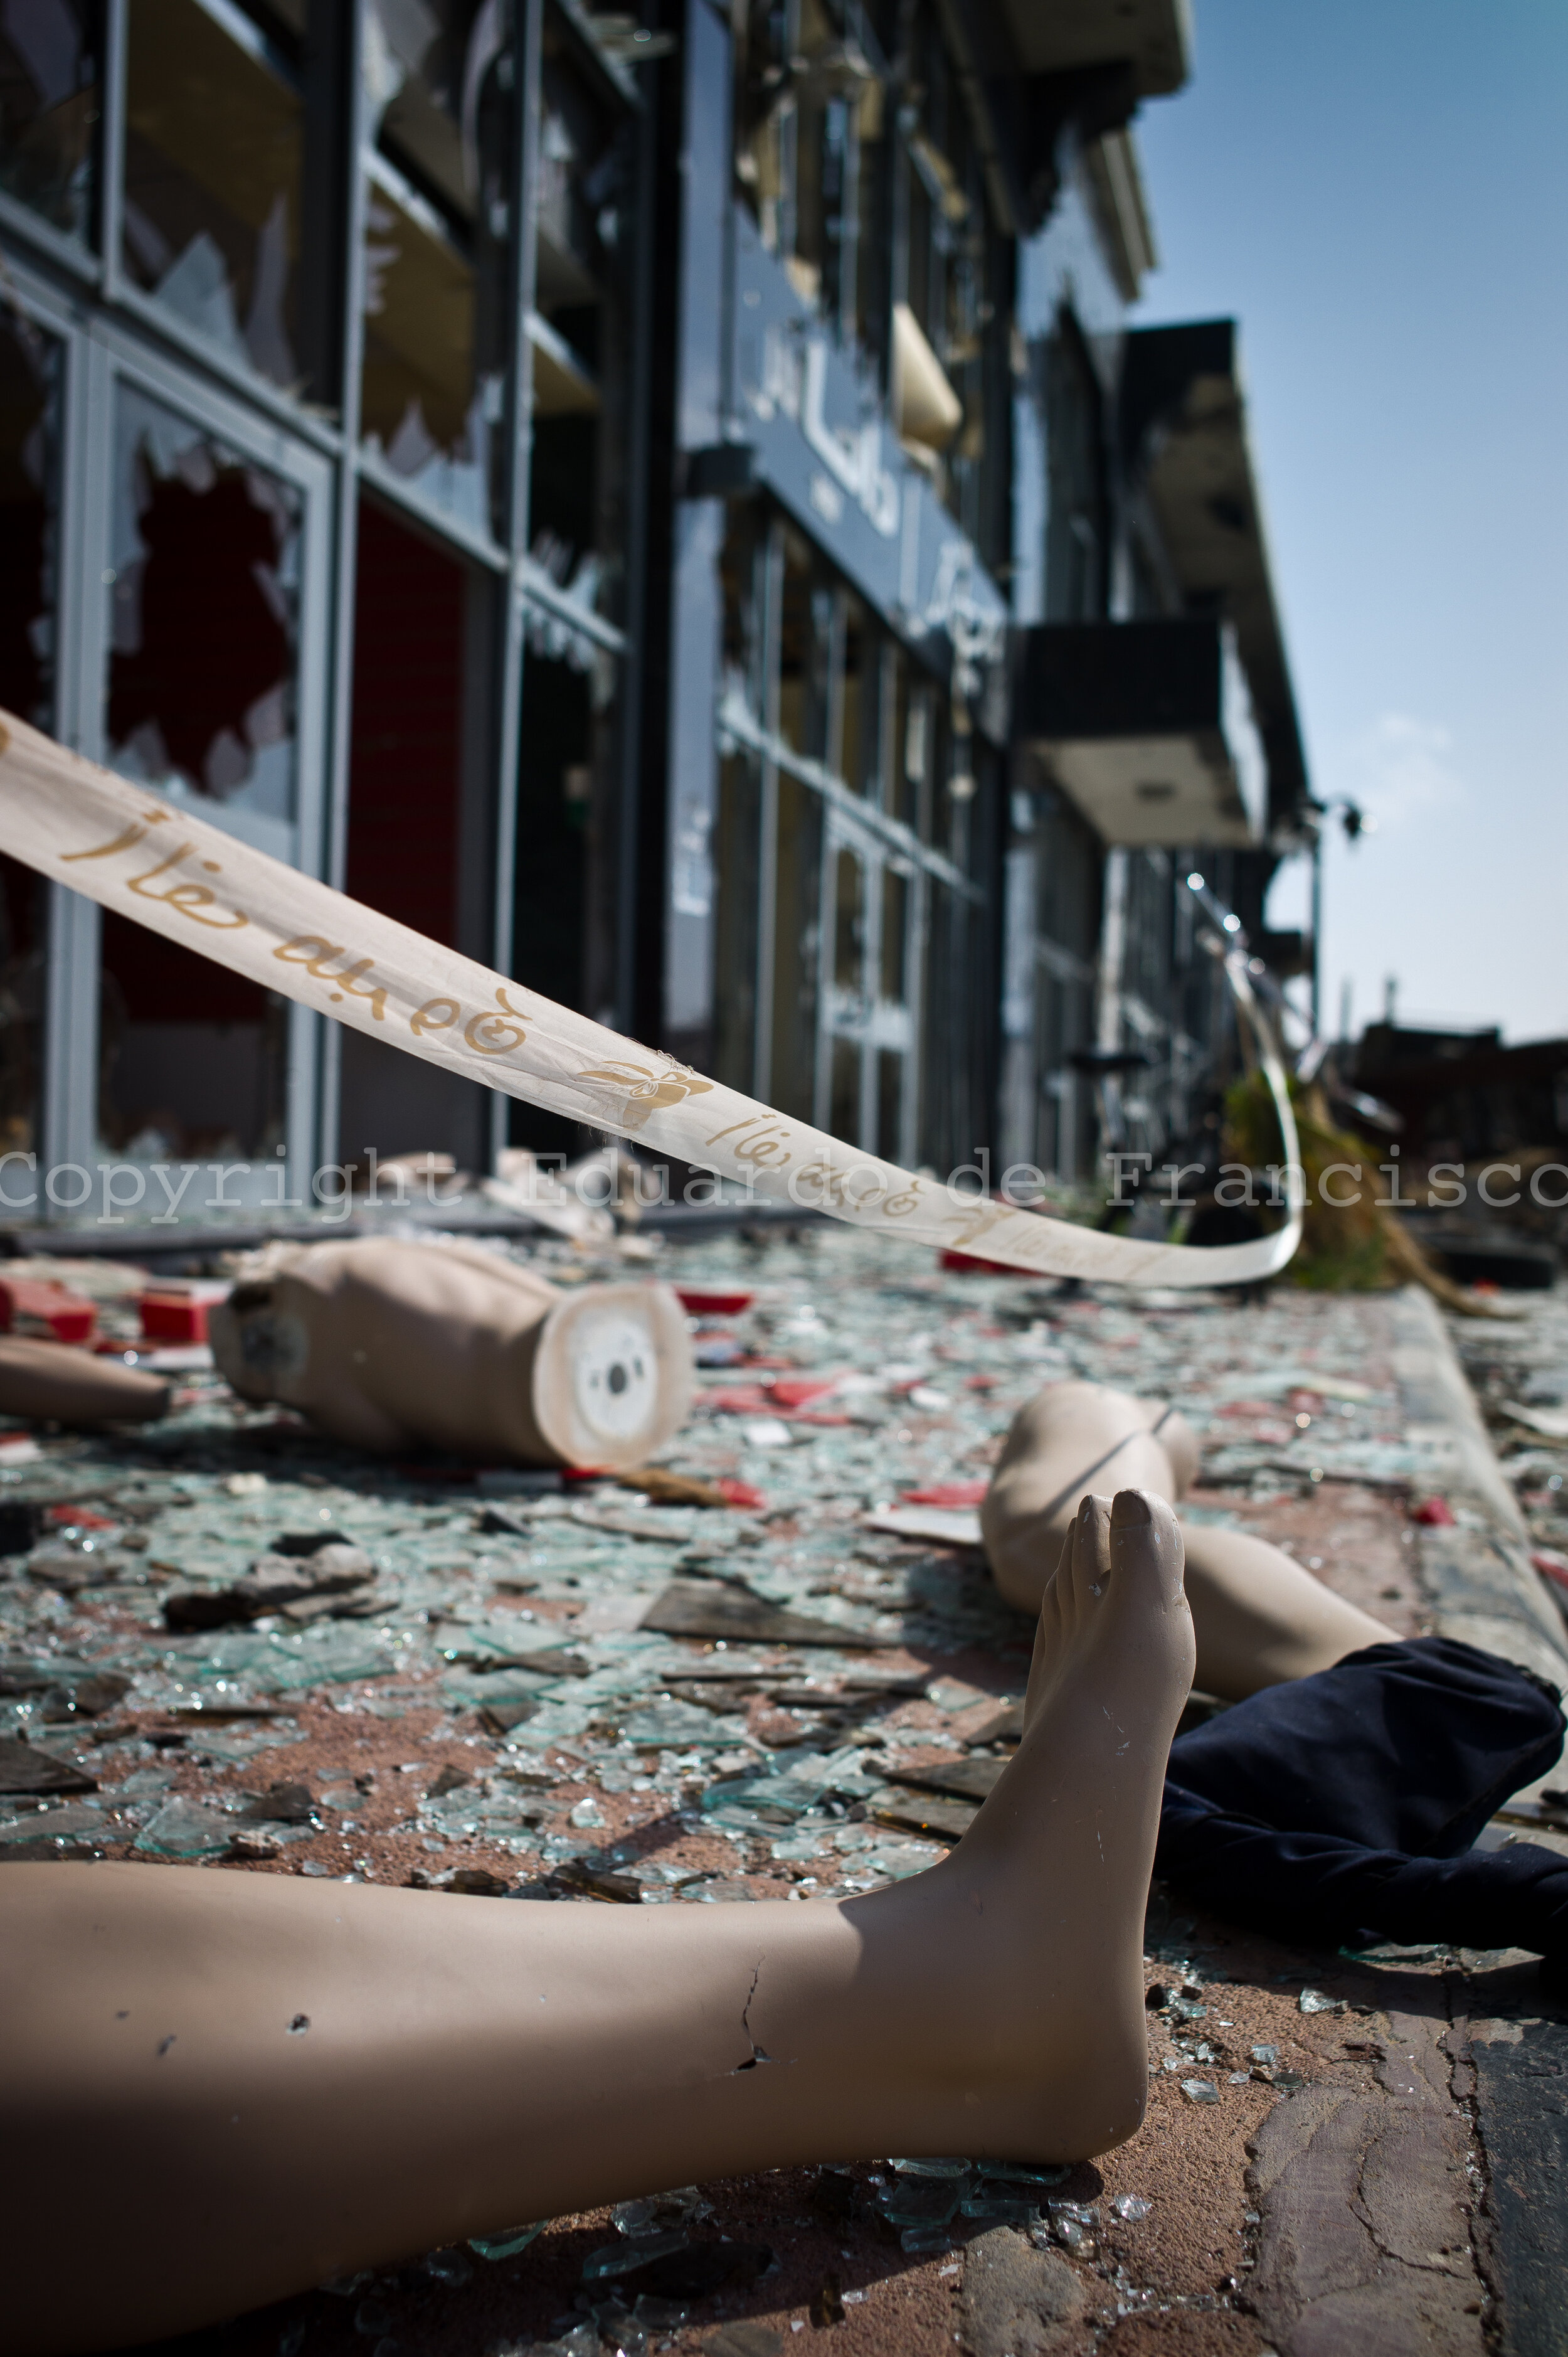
(1071, 1439)
(1054, 1873)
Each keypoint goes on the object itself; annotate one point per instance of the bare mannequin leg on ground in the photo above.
(1259, 1619)
(252, 2082)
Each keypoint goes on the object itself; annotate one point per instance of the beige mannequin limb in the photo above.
(56, 1382)
(389, 1345)
(468, 2063)
(1260, 1617)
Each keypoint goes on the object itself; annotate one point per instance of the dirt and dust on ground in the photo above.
(578, 1694)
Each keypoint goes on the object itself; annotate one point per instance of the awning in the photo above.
(1184, 438)
(1130, 720)
(1155, 36)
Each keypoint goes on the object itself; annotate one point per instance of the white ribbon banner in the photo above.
(121, 845)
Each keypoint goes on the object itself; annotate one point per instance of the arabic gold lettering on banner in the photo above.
(436, 1015)
(837, 1190)
(649, 1091)
(765, 1149)
(122, 841)
(495, 1035)
(190, 899)
(311, 952)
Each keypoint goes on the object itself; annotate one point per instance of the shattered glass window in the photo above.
(808, 151)
(49, 109)
(29, 494)
(30, 498)
(439, 82)
(203, 587)
(214, 161)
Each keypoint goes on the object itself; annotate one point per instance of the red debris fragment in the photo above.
(712, 1300)
(799, 1391)
(946, 1493)
(1435, 1512)
(1551, 1566)
(177, 1312)
(70, 1316)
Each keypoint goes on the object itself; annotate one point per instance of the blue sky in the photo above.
(1378, 190)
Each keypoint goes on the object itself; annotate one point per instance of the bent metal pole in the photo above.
(122, 846)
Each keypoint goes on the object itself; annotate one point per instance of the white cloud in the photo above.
(1400, 770)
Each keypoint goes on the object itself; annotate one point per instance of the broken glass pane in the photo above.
(921, 2200)
(509, 2241)
(29, 403)
(49, 109)
(214, 157)
(183, 1829)
(438, 79)
(634, 2250)
(204, 586)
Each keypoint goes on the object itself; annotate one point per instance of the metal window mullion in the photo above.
(875, 872)
(67, 1111)
(885, 832)
(915, 997)
(507, 706)
(112, 144)
(635, 477)
(771, 605)
(320, 1120)
(827, 1030)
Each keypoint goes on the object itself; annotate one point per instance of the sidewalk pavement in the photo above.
(584, 1694)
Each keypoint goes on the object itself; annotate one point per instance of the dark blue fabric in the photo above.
(1346, 1804)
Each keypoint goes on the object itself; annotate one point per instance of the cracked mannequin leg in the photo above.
(1260, 1617)
(252, 2082)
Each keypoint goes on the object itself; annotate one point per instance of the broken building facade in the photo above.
(674, 508)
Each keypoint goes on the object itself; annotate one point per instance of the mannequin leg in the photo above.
(1262, 1617)
(252, 2082)
(1258, 1616)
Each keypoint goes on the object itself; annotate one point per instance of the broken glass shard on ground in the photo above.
(633, 2250)
(713, 1607)
(922, 2200)
(183, 1829)
(1313, 2000)
(508, 2242)
(28, 1768)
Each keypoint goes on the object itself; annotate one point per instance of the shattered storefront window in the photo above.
(203, 588)
(435, 253)
(29, 507)
(214, 162)
(203, 594)
(49, 109)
